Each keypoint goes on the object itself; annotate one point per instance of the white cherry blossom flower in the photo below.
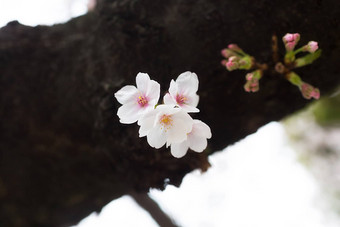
(196, 141)
(182, 92)
(136, 101)
(165, 124)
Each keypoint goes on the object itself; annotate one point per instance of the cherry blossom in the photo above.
(196, 141)
(182, 92)
(136, 101)
(165, 124)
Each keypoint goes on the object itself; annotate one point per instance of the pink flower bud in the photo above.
(247, 87)
(234, 47)
(227, 53)
(308, 91)
(232, 63)
(290, 40)
(251, 87)
(312, 46)
(224, 62)
(252, 84)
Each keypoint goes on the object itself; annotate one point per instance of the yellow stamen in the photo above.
(142, 101)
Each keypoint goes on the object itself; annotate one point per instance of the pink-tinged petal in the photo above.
(142, 81)
(147, 122)
(173, 89)
(126, 94)
(181, 126)
(153, 92)
(201, 129)
(168, 100)
(187, 83)
(128, 113)
(197, 143)
(156, 137)
(178, 150)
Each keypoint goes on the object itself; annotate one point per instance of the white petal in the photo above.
(142, 81)
(147, 122)
(128, 113)
(178, 150)
(201, 129)
(153, 92)
(168, 100)
(197, 143)
(126, 94)
(156, 137)
(189, 109)
(187, 83)
(193, 100)
(197, 138)
(173, 89)
(181, 126)
(168, 109)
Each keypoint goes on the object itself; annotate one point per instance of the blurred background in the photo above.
(286, 174)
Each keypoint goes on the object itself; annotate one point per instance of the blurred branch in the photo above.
(144, 200)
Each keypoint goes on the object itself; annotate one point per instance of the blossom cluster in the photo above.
(236, 58)
(169, 123)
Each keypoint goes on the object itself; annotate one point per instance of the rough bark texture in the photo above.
(64, 153)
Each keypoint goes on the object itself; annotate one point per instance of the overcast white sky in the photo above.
(256, 182)
(34, 12)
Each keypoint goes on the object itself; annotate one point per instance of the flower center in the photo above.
(181, 99)
(142, 101)
(165, 121)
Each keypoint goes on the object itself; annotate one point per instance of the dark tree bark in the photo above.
(64, 153)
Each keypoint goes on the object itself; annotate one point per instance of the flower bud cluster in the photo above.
(236, 58)
(168, 123)
(290, 41)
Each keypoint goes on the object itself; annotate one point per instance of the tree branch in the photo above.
(63, 152)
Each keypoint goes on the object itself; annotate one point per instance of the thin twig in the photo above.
(154, 210)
